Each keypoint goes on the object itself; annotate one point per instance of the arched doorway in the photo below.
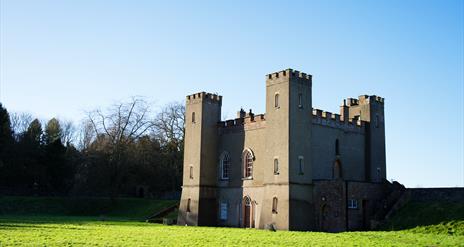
(248, 221)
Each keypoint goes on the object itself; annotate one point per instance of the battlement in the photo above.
(364, 99)
(335, 120)
(203, 96)
(249, 119)
(289, 73)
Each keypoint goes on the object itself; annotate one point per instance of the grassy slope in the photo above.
(124, 208)
(434, 217)
(56, 231)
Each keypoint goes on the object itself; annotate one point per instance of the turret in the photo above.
(198, 201)
(371, 110)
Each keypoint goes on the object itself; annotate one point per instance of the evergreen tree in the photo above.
(6, 144)
(53, 131)
(6, 134)
(34, 132)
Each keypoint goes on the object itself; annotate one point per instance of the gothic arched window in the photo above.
(225, 165)
(247, 160)
(193, 117)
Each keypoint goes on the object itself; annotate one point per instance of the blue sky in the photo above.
(61, 58)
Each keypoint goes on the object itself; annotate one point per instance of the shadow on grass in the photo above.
(122, 208)
(428, 217)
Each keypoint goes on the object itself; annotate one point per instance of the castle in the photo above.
(292, 168)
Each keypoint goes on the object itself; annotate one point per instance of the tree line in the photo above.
(123, 150)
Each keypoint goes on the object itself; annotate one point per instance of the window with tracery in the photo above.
(248, 164)
(225, 165)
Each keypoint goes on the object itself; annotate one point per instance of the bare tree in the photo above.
(86, 135)
(168, 126)
(20, 122)
(119, 126)
(68, 132)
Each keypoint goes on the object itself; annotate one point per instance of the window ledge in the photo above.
(247, 178)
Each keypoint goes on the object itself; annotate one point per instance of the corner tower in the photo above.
(371, 110)
(198, 201)
(288, 140)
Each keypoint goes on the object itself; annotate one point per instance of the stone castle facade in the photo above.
(292, 168)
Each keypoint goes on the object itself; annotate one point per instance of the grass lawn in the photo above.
(89, 231)
(55, 221)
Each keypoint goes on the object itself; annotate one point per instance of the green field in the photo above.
(119, 229)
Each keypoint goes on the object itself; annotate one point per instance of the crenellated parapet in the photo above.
(336, 121)
(364, 100)
(289, 73)
(203, 96)
(294, 76)
(238, 122)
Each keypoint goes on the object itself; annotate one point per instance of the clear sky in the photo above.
(61, 58)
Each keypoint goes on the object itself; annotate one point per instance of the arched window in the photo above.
(301, 165)
(225, 165)
(191, 172)
(276, 166)
(337, 170)
(193, 117)
(276, 100)
(300, 100)
(247, 159)
(274, 205)
(188, 205)
(337, 147)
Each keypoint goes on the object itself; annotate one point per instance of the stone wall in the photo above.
(436, 194)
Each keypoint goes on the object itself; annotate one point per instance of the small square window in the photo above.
(352, 203)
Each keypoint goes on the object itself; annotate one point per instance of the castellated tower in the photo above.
(198, 202)
(291, 168)
(288, 140)
(371, 110)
